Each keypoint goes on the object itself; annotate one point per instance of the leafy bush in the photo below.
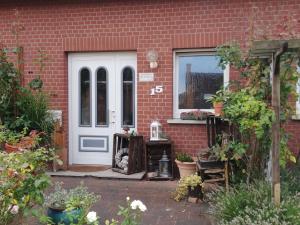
(8, 82)
(22, 182)
(22, 107)
(252, 205)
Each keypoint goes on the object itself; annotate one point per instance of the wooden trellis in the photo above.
(274, 49)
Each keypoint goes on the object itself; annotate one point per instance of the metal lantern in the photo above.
(155, 131)
(164, 165)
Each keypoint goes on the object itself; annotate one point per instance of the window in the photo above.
(85, 97)
(127, 97)
(197, 77)
(101, 98)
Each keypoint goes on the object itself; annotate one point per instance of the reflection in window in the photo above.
(101, 96)
(199, 77)
(85, 97)
(128, 97)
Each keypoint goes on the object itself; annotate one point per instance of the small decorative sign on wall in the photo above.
(158, 89)
(146, 77)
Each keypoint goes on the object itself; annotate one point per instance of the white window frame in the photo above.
(188, 52)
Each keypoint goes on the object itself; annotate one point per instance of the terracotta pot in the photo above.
(186, 168)
(10, 148)
(218, 106)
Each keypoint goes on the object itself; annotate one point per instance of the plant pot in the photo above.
(205, 163)
(64, 217)
(186, 168)
(11, 148)
(196, 192)
(218, 106)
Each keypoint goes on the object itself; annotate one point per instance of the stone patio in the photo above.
(162, 210)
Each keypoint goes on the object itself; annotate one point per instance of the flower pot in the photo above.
(11, 148)
(186, 168)
(195, 192)
(64, 217)
(218, 106)
(206, 163)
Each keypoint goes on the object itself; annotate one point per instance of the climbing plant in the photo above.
(248, 104)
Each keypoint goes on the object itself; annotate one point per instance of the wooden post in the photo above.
(276, 123)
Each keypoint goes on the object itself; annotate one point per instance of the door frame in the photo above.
(118, 92)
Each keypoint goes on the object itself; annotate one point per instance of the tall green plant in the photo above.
(9, 79)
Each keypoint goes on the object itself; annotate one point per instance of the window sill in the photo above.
(179, 121)
(296, 117)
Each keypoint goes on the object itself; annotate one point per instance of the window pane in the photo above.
(101, 97)
(128, 98)
(85, 108)
(199, 77)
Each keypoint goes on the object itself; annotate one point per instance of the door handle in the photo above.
(113, 116)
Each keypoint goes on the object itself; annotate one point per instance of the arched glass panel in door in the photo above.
(128, 97)
(101, 97)
(85, 97)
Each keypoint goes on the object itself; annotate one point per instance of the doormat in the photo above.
(108, 174)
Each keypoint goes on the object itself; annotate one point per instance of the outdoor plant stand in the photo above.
(215, 171)
(153, 153)
(132, 147)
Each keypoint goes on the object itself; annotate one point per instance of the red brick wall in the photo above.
(164, 25)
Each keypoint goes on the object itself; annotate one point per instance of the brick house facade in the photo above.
(62, 27)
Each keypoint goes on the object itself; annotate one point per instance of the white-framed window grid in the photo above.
(188, 52)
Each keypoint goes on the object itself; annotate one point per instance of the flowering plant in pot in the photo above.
(17, 141)
(185, 163)
(71, 206)
(218, 101)
(188, 186)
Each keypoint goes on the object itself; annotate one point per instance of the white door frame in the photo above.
(118, 101)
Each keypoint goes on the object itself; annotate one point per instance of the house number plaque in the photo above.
(158, 89)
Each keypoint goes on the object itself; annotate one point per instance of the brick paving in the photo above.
(162, 210)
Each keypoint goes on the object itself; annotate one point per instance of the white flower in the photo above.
(138, 204)
(127, 198)
(91, 217)
(14, 210)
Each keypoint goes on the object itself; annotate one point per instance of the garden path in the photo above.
(162, 210)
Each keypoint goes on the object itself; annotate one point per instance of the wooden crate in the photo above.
(154, 151)
(135, 145)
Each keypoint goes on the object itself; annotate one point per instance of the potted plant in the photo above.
(218, 101)
(71, 206)
(188, 186)
(18, 141)
(185, 163)
(11, 140)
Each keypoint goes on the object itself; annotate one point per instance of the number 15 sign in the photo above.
(158, 89)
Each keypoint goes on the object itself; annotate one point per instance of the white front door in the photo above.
(101, 101)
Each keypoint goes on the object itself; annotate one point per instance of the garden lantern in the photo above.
(155, 131)
(164, 165)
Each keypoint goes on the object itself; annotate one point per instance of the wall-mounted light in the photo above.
(152, 57)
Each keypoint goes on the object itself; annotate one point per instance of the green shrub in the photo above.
(252, 205)
(23, 181)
